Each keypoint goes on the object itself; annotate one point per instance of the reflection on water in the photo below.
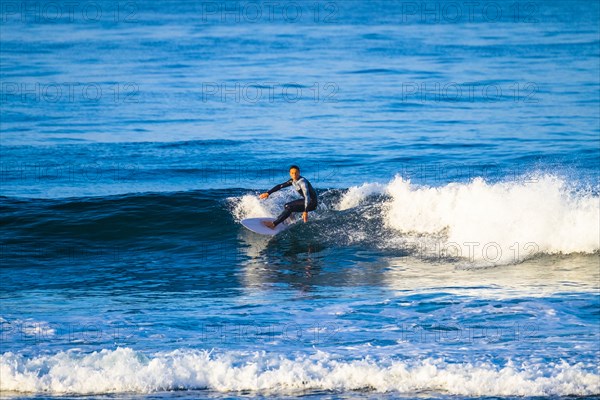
(541, 276)
(306, 264)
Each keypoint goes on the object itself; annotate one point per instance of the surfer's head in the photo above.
(294, 172)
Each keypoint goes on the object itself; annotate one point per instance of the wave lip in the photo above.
(126, 370)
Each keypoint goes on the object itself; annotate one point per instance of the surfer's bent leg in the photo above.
(288, 209)
(294, 206)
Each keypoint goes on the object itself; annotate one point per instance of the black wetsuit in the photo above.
(305, 189)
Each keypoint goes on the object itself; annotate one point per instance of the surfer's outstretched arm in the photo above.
(276, 188)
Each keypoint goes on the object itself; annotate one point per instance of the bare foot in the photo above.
(268, 224)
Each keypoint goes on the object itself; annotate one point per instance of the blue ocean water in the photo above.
(455, 147)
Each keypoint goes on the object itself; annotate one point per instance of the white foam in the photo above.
(250, 206)
(125, 370)
(358, 194)
(498, 223)
(29, 328)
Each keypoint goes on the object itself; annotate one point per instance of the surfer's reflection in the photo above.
(307, 263)
(281, 261)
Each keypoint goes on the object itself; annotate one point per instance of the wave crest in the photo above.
(488, 223)
(127, 370)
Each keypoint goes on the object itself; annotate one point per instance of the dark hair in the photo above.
(295, 166)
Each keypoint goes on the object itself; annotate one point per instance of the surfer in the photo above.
(304, 188)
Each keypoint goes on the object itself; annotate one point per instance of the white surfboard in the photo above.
(255, 225)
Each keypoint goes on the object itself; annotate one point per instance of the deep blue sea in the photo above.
(454, 146)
